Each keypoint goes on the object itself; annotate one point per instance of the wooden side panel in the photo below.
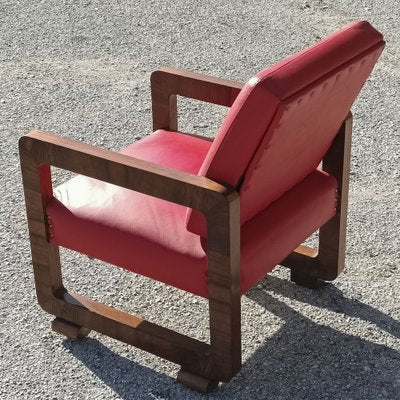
(218, 361)
(332, 236)
(328, 263)
(45, 256)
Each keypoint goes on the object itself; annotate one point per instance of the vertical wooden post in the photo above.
(332, 235)
(164, 105)
(223, 249)
(309, 267)
(45, 256)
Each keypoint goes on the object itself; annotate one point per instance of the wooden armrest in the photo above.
(41, 148)
(167, 83)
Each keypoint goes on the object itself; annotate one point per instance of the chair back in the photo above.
(285, 118)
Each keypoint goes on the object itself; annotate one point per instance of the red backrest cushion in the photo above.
(285, 118)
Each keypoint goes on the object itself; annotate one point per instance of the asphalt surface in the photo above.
(81, 69)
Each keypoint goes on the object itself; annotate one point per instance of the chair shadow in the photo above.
(303, 360)
(309, 360)
(331, 298)
(127, 378)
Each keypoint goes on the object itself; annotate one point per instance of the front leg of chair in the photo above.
(223, 253)
(310, 267)
(45, 256)
(223, 249)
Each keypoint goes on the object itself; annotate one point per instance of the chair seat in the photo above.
(149, 236)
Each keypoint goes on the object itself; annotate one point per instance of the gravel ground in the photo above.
(81, 69)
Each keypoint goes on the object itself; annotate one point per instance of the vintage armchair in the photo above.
(209, 217)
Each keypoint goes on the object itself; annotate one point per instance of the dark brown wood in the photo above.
(223, 254)
(327, 262)
(68, 329)
(302, 279)
(196, 382)
(306, 251)
(167, 83)
(218, 361)
(175, 347)
(332, 236)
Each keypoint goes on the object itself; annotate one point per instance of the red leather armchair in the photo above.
(211, 218)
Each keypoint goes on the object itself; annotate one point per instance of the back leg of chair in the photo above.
(303, 279)
(196, 382)
(332, 236)
(68, 329)
(310, 267)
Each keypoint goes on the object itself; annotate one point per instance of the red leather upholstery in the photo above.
(148, 236)
(285, 118)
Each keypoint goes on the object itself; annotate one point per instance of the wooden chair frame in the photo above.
(202, 365)
(310, 267)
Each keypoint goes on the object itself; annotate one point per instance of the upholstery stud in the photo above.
(253, 81)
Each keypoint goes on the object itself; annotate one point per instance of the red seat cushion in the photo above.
(149, 236)
(285, 118)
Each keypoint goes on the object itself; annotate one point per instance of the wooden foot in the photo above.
(68, 329)
(196, 382)
(302, 279)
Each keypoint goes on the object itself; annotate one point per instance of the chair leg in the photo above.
(309, 266)
(224, 295)
(196, 382)
(69, 329)
(303, 279)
